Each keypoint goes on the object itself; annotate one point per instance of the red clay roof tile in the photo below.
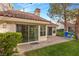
(23, 15)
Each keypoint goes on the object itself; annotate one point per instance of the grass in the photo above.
(70, 48)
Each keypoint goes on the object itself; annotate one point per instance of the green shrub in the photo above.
(60, 32)
(8, 41)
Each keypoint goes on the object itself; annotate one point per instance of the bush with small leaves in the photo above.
(8, 41)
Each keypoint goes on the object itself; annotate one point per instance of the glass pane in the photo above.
(29, 32)
(25, 33)
(24, 30)
(33, 33)
(49, 30)
(42, 30)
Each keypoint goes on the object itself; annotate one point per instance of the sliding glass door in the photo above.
(25, 33)
(29, 32)
(33, 33)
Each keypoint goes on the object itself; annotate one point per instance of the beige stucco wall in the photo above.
(12, 27)
(8, 27)
(3, 30)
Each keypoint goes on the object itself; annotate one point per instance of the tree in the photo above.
(77, 24)
(60, 10)
(75, 14)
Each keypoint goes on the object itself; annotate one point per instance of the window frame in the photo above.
(43, 30)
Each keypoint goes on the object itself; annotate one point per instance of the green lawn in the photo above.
(70, 48)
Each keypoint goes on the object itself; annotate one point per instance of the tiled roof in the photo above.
(21, 14)
(24, 15)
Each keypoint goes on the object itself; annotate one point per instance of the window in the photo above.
(42, 30)
(49, 30)
(70, 29)
(54, 31)
(18, 28)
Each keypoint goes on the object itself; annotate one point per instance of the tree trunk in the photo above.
(77, 28)
(65, 20)
(76, 31)
(65, 24)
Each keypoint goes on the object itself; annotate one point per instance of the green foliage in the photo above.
(60, 32)
(74, 37)
(8, 41)
(59, 9)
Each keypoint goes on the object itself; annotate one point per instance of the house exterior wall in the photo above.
(2, 29)
(6, 27)
(12, 28)
(11, 25)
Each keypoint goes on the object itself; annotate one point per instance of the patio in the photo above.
(32, 46)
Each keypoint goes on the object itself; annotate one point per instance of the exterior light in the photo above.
(4, 25)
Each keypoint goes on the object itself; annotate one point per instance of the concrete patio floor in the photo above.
(51, 41)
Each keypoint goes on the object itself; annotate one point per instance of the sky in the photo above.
(30, 7)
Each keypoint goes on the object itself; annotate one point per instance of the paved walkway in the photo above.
(51, 41)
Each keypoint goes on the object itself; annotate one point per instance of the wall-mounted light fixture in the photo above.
(4, 25)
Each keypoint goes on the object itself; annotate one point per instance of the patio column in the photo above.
(38, 32)
(52, 31)
(46, 30)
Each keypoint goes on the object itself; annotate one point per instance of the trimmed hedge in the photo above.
(60, 32)
(8, 41)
